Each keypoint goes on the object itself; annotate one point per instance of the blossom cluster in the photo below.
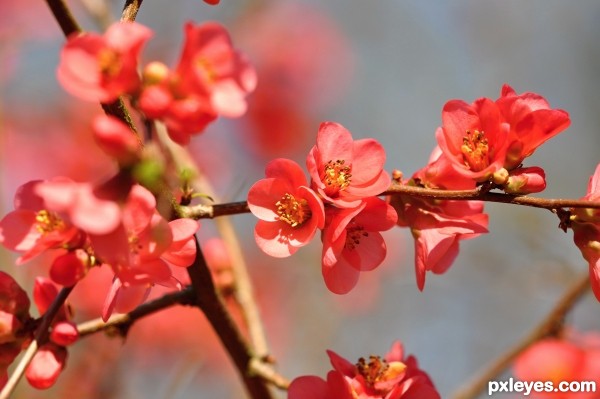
(99, 225)
(346, 176)
(393, 377)
(211, 78)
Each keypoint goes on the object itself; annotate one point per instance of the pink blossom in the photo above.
(103, 67)
(524, 181)
(393, 377)
(532, 122)
(343, 170)
(290, 213)
(352, 242)
(211, 79)
(47, 363)
(116, 139)
(586, 231)
(32, 228)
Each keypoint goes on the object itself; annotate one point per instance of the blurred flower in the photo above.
(102, 67)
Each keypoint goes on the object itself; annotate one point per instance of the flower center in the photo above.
(208, 71)
(354, 233)
(336, 176)
(475, 150)
(47, 222)
(378, 370)
(292, 211)
(109, 62)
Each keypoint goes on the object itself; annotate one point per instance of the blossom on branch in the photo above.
(393, 377)
(289, 211)
(487, 139)
(352, 242)
(101, 68)
(343, 171)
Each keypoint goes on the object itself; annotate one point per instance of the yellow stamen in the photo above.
(475, 150)
(292, 211)
(47, 222)
(378, 370)
(336, 176)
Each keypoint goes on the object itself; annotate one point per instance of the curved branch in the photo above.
(40, 338)
(210, 303)
(549, 327)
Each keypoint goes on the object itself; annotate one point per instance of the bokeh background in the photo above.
(384, 69)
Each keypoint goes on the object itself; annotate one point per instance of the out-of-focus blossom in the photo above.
(393, 377)
(586, 231)
(116, 139)
(343, 170)
(352, 242)
(211, 79)
(101, 68)
(304, 65)
(289, 211)
(573, 358)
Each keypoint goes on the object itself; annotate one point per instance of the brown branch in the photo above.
(121, 323)
(130, 10)
(233, 208)
(549, 327)
(64, 17)
(208, 300)
(40, 337)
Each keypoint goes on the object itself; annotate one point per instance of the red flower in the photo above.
(531, 121)
(352, 242)
(586, 231)
(211, 79)
(393, 377)
(32, 228)
(290, 213)
(345, 171)
(473, 137)
(102, 67)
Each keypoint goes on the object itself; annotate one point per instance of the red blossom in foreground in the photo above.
(290, 213)
(343, 170)
(352, 242)
(439, 226)
(486, 139)
(97, 67)
(393, 377)
(586, 231)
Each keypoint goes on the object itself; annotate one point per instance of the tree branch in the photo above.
(210, 303)
(130, 10)
(549, 327)
(40, 337)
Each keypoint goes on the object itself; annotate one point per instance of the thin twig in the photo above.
(123, 322)
(550, 326)
(210, 303)
(130, 10)
(39, 339)
(265, 371)
(63, 16)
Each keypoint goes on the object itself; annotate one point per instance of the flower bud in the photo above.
(69, 268)
(500, 176)
(64, 333)
(526, 181)
(116, 139)
(9, 324)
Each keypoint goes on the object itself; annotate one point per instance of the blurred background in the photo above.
(383, 69)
